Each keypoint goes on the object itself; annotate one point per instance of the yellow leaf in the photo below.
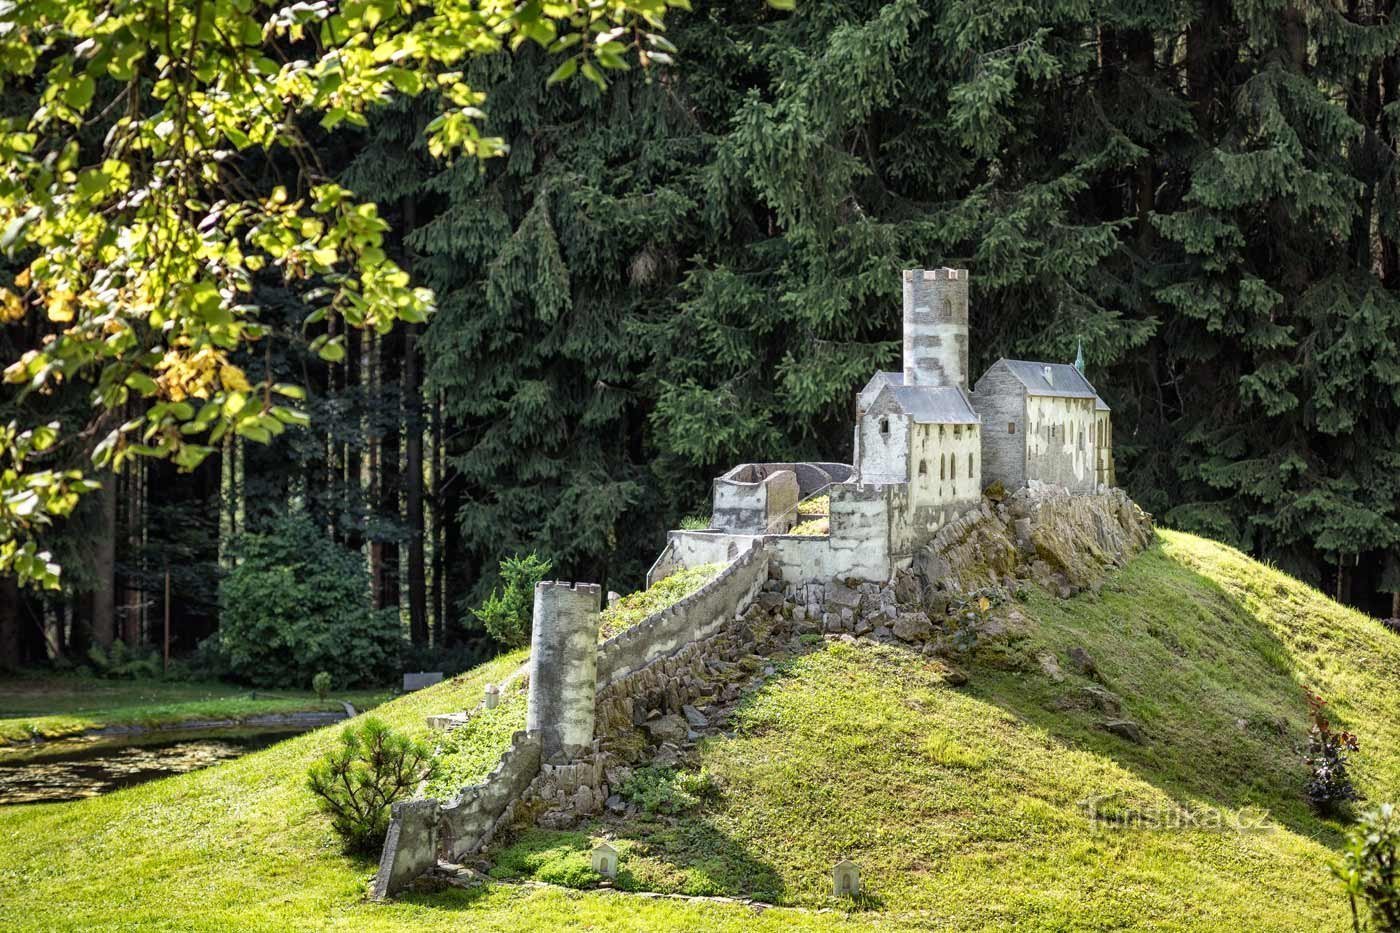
(233, 378)
(61, 307)
(11, 307)
(983, 604)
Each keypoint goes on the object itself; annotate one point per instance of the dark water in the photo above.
(70, 770)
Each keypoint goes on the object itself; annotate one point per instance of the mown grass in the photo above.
(55, 707)
(963, 807)
(973, 805)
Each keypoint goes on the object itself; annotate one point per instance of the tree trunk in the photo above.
(104, 596)
(417, 580)
(388, 505)
(9, 624)
(440, 519)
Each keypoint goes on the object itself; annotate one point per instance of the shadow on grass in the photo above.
(1216, 692)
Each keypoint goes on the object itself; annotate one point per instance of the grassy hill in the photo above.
(963, 806)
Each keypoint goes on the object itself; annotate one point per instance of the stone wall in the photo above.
(469, 822)
(685, 549)
(410, 846)
(755, 498)
(695, 617)
(862, 543)
(1000, 400)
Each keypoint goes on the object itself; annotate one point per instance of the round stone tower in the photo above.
(564, 667)
(935, 327)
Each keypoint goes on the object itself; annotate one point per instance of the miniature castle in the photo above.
(925, 449)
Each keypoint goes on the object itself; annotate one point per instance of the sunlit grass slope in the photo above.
(962, 806)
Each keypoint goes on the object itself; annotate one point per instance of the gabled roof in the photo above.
(931, 404)
(873, 387)
(1065, 381)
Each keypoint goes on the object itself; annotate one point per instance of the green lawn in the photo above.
(963, 807)
(56, 706)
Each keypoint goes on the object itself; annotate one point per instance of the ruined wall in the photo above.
(685, 549)
(563, 657)
(470, 821)
(1000, 400)
(410, 846)
(693, 618)
(1060, 442)
(751, 498)
(868, 531)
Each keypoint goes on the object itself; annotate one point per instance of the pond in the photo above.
(77, 768)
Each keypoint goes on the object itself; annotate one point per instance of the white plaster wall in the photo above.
(883, 457)
(1060, 447)
(860, 544)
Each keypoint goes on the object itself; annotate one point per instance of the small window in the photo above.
(884, 427)
(969, 465)
(957, 430)
(1010, 427)
(923, 468)
(953, 467)
(942, 466)
(940, 430)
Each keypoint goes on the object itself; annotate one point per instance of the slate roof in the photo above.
(1065, 381)
(932, 404)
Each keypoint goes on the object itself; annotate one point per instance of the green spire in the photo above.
(1079, 357)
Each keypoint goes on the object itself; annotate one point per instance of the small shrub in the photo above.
(506, 612)
(695, 523)
(358, 781)
(121, 662)
(321, 683)
(662, 789)
(1329, 787)
(297, 603)
(1370, 869)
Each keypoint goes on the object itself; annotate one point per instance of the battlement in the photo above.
(933, 275)
(559, 587)
(935, 327)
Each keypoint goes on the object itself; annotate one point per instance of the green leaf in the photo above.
(78, 93)
(563, 73)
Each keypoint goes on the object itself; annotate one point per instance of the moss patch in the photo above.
(635, 607)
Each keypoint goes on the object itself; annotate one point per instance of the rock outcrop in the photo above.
(1066, 543)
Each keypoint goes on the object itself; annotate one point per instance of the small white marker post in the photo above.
(493, 696)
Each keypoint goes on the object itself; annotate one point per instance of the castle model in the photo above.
(925, 449)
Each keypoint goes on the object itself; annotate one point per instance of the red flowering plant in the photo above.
(1329, 787)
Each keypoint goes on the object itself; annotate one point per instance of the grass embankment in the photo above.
(664, 593)
(963, 807)
(57, 707)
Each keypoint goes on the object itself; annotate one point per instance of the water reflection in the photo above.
(73, 770)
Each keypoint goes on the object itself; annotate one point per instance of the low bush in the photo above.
(297, 603)
(121, 662)
(321, 683)
(1329, 786)
(662, 789)
(358, 781)
(695, 523)
(506, 612)
(1370, 871)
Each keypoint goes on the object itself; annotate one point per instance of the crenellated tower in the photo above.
(935, 327)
